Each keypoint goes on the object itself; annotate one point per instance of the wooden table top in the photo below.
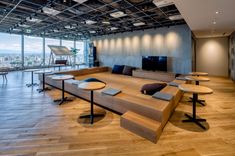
(198, 73)
(62, 77)
(31, 70)
(197, 78)
(91, 85)
(43, 71)
(189, 88)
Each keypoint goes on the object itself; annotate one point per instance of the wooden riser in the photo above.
(141, 125)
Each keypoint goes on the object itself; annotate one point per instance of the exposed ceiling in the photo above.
(83, 18)
(208, 18)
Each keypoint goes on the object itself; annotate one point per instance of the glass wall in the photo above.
(49, 41)
(68, 44)
(33, 52)
(10, 50)
(80, 58)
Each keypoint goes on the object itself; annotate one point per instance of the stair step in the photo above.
(141, 125)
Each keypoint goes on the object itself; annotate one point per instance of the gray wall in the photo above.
(212, 56)
(232, 56)
(128, 48)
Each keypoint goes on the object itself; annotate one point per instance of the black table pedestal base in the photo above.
(65, 99)
(32, 84)
(43, 89)
(202, 102)
(91, 117)
(195, 120)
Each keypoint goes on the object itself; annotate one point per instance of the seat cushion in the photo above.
(127, 70)
(93, 80)
(150, 89)
(117, 69)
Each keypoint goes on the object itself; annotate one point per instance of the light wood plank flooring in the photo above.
(32, 124)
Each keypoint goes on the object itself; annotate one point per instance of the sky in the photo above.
(11, 43)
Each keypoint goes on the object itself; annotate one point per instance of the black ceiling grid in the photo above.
(71, 21)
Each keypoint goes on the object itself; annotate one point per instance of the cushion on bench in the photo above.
(162, 96)
(118, 69)
(93, 80)
(152, 88)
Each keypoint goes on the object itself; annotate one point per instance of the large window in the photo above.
(49, 41)
(68, 44)
(10, 50)
(80, 58)
(33, 53)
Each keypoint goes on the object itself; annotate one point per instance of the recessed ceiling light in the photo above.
(217, 12)
(105, 22)
(15, 29)
(24, 25)
(90, 22)
(50, 11)
(30, 19)
(118, 14)
(113, 28)
(69, 27)
(214, 22)
(56, 30)
(80, 1)
(92, 32)
(138, 24)
(162, 3)
(175, 17)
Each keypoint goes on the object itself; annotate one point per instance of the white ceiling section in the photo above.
(208, 18)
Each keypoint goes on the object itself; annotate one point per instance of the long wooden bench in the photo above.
(141, 114)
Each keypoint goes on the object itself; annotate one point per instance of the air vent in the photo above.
(80, 1)
(50, 11)
(162, 3)
(175, 17)
(118, 14)
(139, 24)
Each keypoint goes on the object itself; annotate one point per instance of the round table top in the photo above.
(58, 65)
(62, 77)
(197, 78)
(91, 85)
(189, 88)
(198, 73)
(31, 70)
(43, 71)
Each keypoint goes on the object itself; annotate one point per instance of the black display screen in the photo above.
(154, 63)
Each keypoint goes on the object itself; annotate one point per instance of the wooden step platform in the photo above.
(141, 125)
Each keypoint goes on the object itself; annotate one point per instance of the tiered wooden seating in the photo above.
(142, 114)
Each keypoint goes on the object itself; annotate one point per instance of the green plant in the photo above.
(74, 51)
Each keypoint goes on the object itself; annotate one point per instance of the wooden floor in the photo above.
(32, 124)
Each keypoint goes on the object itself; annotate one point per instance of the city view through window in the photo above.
(11, 50)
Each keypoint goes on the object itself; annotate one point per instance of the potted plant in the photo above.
(74, 51)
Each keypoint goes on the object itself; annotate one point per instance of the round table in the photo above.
(198, 79)
(32, 71)
(62, 78)
(195, 90)
(91, 86)
(43, 72)
(198, 74)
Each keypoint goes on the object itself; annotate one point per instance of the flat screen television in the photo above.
(154, 63)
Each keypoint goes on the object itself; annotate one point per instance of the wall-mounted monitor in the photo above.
(154, 63)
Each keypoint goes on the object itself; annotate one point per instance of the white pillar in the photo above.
(22, 50)
(43, 51)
